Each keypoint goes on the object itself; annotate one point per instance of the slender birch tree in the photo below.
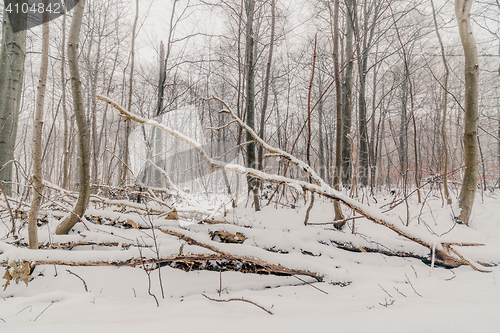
(81, 121)
(470, 180)
(37, 137)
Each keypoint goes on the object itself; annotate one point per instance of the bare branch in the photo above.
(237, 299)
(442, 255)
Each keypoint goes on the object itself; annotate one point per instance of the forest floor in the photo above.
(365, 289)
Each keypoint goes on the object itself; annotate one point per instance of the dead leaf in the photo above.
(21, 271)
(129, 224)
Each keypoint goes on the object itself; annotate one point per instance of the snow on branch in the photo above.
(273, 150)
(442, 254)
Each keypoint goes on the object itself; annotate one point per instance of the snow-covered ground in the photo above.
(361, 292)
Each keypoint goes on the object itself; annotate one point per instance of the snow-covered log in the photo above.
(441, 256)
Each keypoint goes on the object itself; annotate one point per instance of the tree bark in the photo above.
(250, 106)
(363, 71)
(12, 56)
(470, 180)
(347, 95)
(93, 101)
(321, 136)
(337, 177)
(260, 157)
(81, 121)
(65, 167)
(445, 109)
(126, 156)
(37, 138)
(157, 135)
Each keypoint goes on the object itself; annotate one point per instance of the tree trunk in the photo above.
(321, 137)
(93, 91)
(65, 167)
(260, 150)
(445, 109)
(37, 138)
(157, 135)
(403, 130)
(12, 56)
(375, 130)
(81, 121)
(364, 143)
(469, 184)
(126, 157)
(265, 98)
(250, 107)
(347, 96)
(337, 177)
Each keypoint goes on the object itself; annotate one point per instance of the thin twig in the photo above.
(385, 290)
(387, 304)
(44, 310)
(237, 299)
(220, 282)
(84, 284)
(309, 284)
(399, 291)
(148, 273)
(408, 279)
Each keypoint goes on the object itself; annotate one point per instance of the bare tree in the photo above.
(81, 121)
(470, 180)
(337, 179)
(266, 84)
(12, 56)
(367, 43)
(131, 81)
(347, 94)
(445, 108)
(66, 148)
(37, 137)
(250, 93)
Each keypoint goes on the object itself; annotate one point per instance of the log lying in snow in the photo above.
(193, 262)
(442, 255)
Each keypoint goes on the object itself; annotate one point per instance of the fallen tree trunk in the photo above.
(439, 253)
(193, 262)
